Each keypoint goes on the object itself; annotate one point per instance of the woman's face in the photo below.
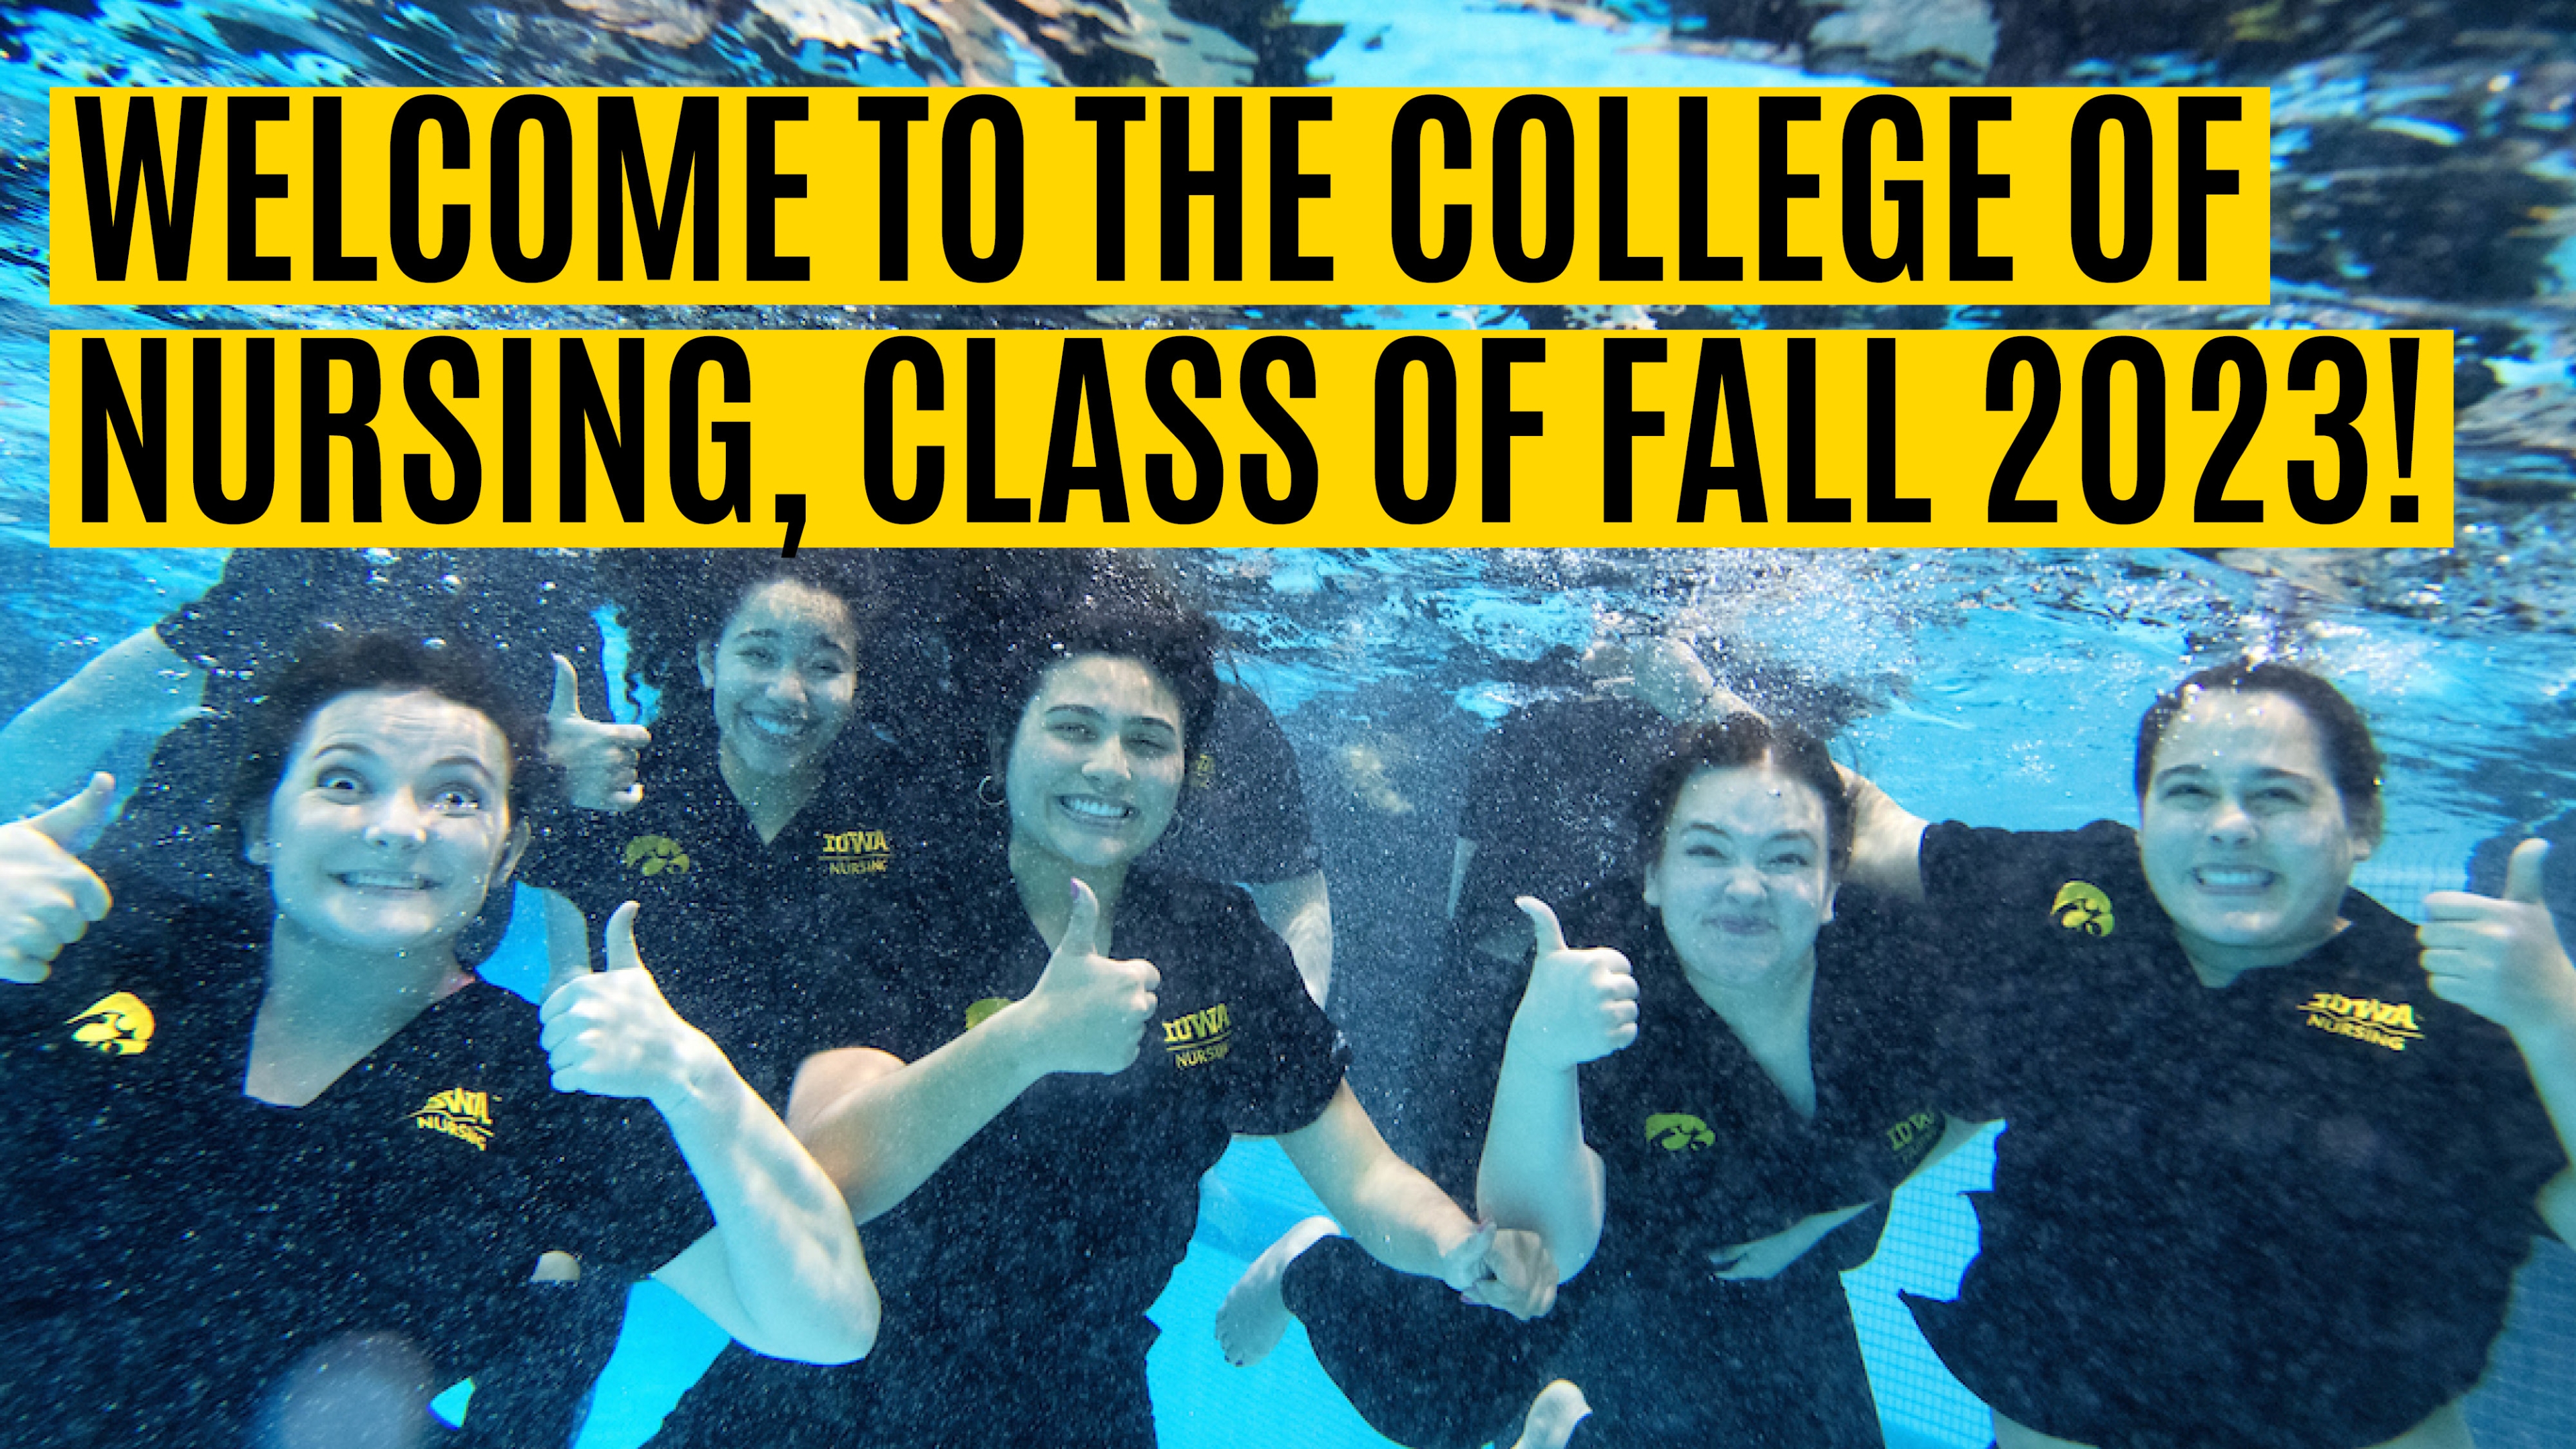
(1095, 765)
(783, 676)
(389, 823)
(1744, 881)
(2243, 834)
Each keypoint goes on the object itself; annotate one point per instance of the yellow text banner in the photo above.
(1700, 439)
(1179, 197)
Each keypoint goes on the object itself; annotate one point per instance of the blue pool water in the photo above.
(1985, 686)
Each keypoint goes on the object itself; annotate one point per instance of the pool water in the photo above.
(1984, 686)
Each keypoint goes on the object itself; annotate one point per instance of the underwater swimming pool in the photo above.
(1991, 687)
(1981, 686)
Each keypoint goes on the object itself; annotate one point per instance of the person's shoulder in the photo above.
(1961, 860)
(1189, 901)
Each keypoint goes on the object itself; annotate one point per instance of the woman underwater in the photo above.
(2273, 1154)
(771, 832)
(255, 1134)
(1044, 1074)
(1709, 1108)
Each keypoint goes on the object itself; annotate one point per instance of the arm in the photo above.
(782, 1271)
(881, 1127)
(1300, 911)
(136, 685)
(1887, 841)
(1537, 1171)
(1406, 1222)
(2503, 960)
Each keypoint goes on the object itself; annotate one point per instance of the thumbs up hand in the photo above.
(598, 757)
(1088, 1011)
(2501, 958)
(47, 897)
(1580, 1006)
(610, 1033)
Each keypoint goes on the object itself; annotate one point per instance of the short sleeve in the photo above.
(1288, 1059)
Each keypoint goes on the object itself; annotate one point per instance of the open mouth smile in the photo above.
(2233, 879)
(1092, 810)
(397, 882)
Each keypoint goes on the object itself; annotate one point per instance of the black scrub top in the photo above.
(1243, 817)
(1016, 1280)
(1702, 1154)
(1550, 801)
(2287, 1210)
(744, 936)
(172, 1245)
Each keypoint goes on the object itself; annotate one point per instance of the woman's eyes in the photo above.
(343, 782)
(457, 800)
(1149, 745)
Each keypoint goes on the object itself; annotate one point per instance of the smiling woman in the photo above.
(1713, 1081)
(2222, 1066)
(1035, 1081)
(258, 1055)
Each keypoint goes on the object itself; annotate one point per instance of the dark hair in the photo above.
(673, 600)
(2352, 760)
(1742, 741)
(328, 666)
(1128, 614)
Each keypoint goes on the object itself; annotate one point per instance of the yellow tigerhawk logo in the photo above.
(2081, 906)
(1200, 1037)
(856, 852)
(463, 1115)
(1679, 1132)
(2389, 1024)
(979, 1012)
(654, 854)
(118, 1025)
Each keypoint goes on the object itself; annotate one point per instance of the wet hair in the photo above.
(671, 601)
(1738, 742)
(1129, 615)
(2352, 759)
(328, 666)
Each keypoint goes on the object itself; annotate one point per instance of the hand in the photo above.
(1765, 1257)
(611, 1034)
(47, 897)
(1088, 1011)
(597, 757)
(1518, 1275)
(1580, 1005)
(2501, 958)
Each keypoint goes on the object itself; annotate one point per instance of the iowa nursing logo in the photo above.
(2389, 1024)
(1200, 1037)
(463, 1115)
(856, 852)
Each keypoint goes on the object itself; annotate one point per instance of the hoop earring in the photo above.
(984, 791)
